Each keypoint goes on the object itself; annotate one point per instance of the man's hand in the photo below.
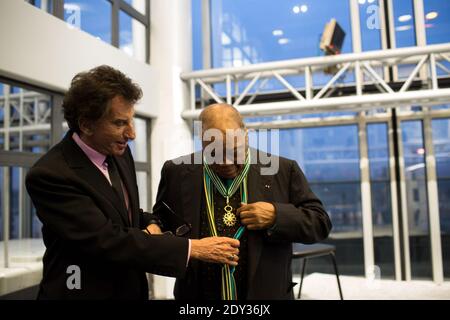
(216, 250)
(257, 216)
(154, 229)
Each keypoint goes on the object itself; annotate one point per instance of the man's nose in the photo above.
(130, 133)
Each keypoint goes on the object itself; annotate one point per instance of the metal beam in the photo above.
(346, 103)
(300, 64)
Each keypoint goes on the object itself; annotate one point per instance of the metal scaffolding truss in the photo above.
(24, 111)
(25, 118)
(370, 69)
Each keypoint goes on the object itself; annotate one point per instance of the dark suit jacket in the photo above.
(300, 217)
(85, 225)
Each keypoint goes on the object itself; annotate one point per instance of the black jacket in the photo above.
(300, 217)
(85, 226)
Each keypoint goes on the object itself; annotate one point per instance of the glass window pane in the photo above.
(14, 203)
(329, 157)
(381, 198)
(441, 107)
(242, 34)
(23, 222)
(197, 50)
(25, 245)
(404, 23)
(405, 35)
(437, 21)
(44, 5)
(139, 5)
(416, 194)
(441, 142)
(143, 190)
(370, 25)
(92, 16)
(132, 38)
(139, 146)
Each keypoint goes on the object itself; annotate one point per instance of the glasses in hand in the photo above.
(184, 228)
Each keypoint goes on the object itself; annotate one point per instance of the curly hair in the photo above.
(90, 94)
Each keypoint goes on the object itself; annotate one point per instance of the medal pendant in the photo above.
(229, 218)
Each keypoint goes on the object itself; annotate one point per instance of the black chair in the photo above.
(303, 251)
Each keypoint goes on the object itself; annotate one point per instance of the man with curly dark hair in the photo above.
(99, 243)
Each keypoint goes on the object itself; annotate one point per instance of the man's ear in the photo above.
(86, 127)
(246, 138)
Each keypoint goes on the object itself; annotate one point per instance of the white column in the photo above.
(395, 197)
(404, 199)
(356, 26)
(356, 43)
(366, 200)
(6, 177)
(421, 36)
(171, 54)
(433, 202)
(206, 33)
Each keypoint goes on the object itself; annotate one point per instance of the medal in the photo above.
(229, 218)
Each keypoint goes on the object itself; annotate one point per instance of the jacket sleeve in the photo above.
(304, 219)
(67, 209)
(168, 221)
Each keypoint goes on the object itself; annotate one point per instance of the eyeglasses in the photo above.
(184, 228)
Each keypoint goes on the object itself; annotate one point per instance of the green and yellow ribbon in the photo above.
(240, 182)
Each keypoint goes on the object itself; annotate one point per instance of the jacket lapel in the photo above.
(88, 172)
(259, 189)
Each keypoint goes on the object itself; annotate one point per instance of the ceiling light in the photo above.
(431, 15)
(296, 9)
(304, 8)
(277, 32)
(283, 41)
(404, 18)
(362, 1)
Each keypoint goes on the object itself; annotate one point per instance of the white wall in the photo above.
(42, 50)
(171, 54)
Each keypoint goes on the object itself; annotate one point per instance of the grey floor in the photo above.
(320, 286)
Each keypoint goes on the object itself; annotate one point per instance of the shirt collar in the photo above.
(96, 157)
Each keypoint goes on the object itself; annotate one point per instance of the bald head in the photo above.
(221, 116)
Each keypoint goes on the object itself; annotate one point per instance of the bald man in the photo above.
(228, 193)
